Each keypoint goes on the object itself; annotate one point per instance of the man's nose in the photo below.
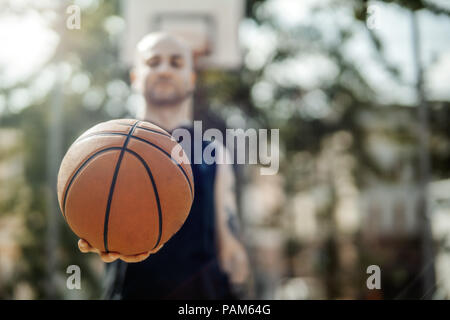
(164, 69)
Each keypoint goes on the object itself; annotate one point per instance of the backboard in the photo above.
(209, 26)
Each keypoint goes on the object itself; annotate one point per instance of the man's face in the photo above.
(164, 72)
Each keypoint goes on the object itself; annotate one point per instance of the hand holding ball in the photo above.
(120, 189)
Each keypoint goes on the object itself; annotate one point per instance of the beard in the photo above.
(170, 95)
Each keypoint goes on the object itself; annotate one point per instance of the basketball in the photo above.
(120, 188)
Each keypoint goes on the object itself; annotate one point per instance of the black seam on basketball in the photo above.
(66, 192)
(155, 131)
(113, 184)
(155, 189)
(151, 130)
(102, 133)
(170, 157)
(119, 133)
(153, 145)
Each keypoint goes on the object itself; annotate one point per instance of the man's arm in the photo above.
(232, 255)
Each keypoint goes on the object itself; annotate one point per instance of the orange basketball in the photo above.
(120, 189)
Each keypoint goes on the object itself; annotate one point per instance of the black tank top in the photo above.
(187, 265)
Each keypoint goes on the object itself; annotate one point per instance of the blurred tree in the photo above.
(350, 100)
(427, 160)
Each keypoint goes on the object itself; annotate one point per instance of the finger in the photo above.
(109, 257)
(84, 246)
(136, 258)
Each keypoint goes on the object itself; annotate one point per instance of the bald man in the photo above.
(204, 259)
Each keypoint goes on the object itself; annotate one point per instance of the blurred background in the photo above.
(360, 91)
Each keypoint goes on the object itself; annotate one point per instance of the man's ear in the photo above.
(134, 80)
(194, 79)
(132, 76)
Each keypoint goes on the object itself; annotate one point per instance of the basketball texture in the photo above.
(120, 189)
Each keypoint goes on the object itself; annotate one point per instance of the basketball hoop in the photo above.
(209, 27)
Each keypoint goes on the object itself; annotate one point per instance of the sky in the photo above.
(395, 31)
(28, 43)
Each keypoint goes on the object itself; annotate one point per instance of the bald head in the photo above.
(166, 43)
(164, 69)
